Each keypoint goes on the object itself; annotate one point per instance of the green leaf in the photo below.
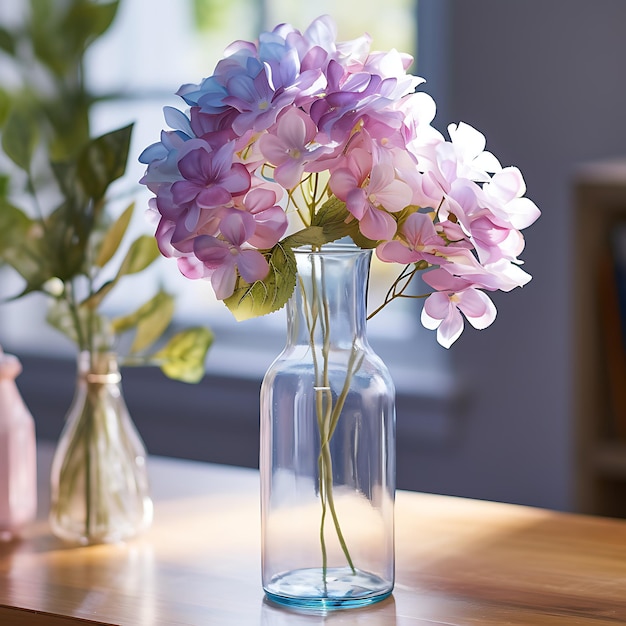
(336, 221)
(361, 240)
(5, 106)
(22, 246)
(142, 252)
(93, 301)
(309, 236)
(68, 117)
(65, 176)
(267, 295)
(7, 41)
(401, 216)
(32, 269)
(47, 48)
(19, 137)
(14, 226)
(103, 160)
(331, 222)
(88, 20)
(114, 236)
(68, 229)
(62, 31)
(5, 181)
(184, 355)
(151, 320)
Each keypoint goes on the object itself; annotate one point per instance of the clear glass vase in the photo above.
(327, 456)
(99, 482)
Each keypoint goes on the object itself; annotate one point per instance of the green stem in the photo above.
(313, 202)
(32, 190)
(328, 462)
(93, 425)
(353, 368)
(327, 414)
(71, 467)
(73, 309)
(322, 479)
(76, 461)
(89, 427)
(397, 291)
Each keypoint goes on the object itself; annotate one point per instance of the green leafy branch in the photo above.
(60, 237)
(47, 50)
(65, 253)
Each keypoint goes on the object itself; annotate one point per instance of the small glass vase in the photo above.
(327, 456)
(99, 482)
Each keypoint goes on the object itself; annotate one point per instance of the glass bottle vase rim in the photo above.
(334, 247)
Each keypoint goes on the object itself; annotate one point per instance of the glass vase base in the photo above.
(343, 588)
(112, 535)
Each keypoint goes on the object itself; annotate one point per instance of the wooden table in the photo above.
(459, 561)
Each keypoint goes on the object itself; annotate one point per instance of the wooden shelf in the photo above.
(610, 459)
(600, 202)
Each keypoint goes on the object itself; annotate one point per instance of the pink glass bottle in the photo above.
(18, 469)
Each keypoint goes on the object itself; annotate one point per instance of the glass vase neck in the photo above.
(97, 362)
(330, 297)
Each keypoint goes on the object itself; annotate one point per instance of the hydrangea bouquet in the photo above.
(300, 140)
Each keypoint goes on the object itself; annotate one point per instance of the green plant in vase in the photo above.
(67, 253)
(72, 254)
(62, 233)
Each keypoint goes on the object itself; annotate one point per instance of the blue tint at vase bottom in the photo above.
(341, 589)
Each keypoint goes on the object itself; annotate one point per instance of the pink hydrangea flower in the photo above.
(297, 120)
(442, 309)
(370, 191)
(210, 178)
(289, 147)
(227, 256)
(420, 242)
(270, 221)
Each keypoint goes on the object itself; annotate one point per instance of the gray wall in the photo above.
(545, 81)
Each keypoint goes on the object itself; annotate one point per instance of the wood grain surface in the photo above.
(459, 562)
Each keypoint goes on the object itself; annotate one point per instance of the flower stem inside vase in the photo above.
(316, 313)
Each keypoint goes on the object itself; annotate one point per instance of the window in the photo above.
(152, 49)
